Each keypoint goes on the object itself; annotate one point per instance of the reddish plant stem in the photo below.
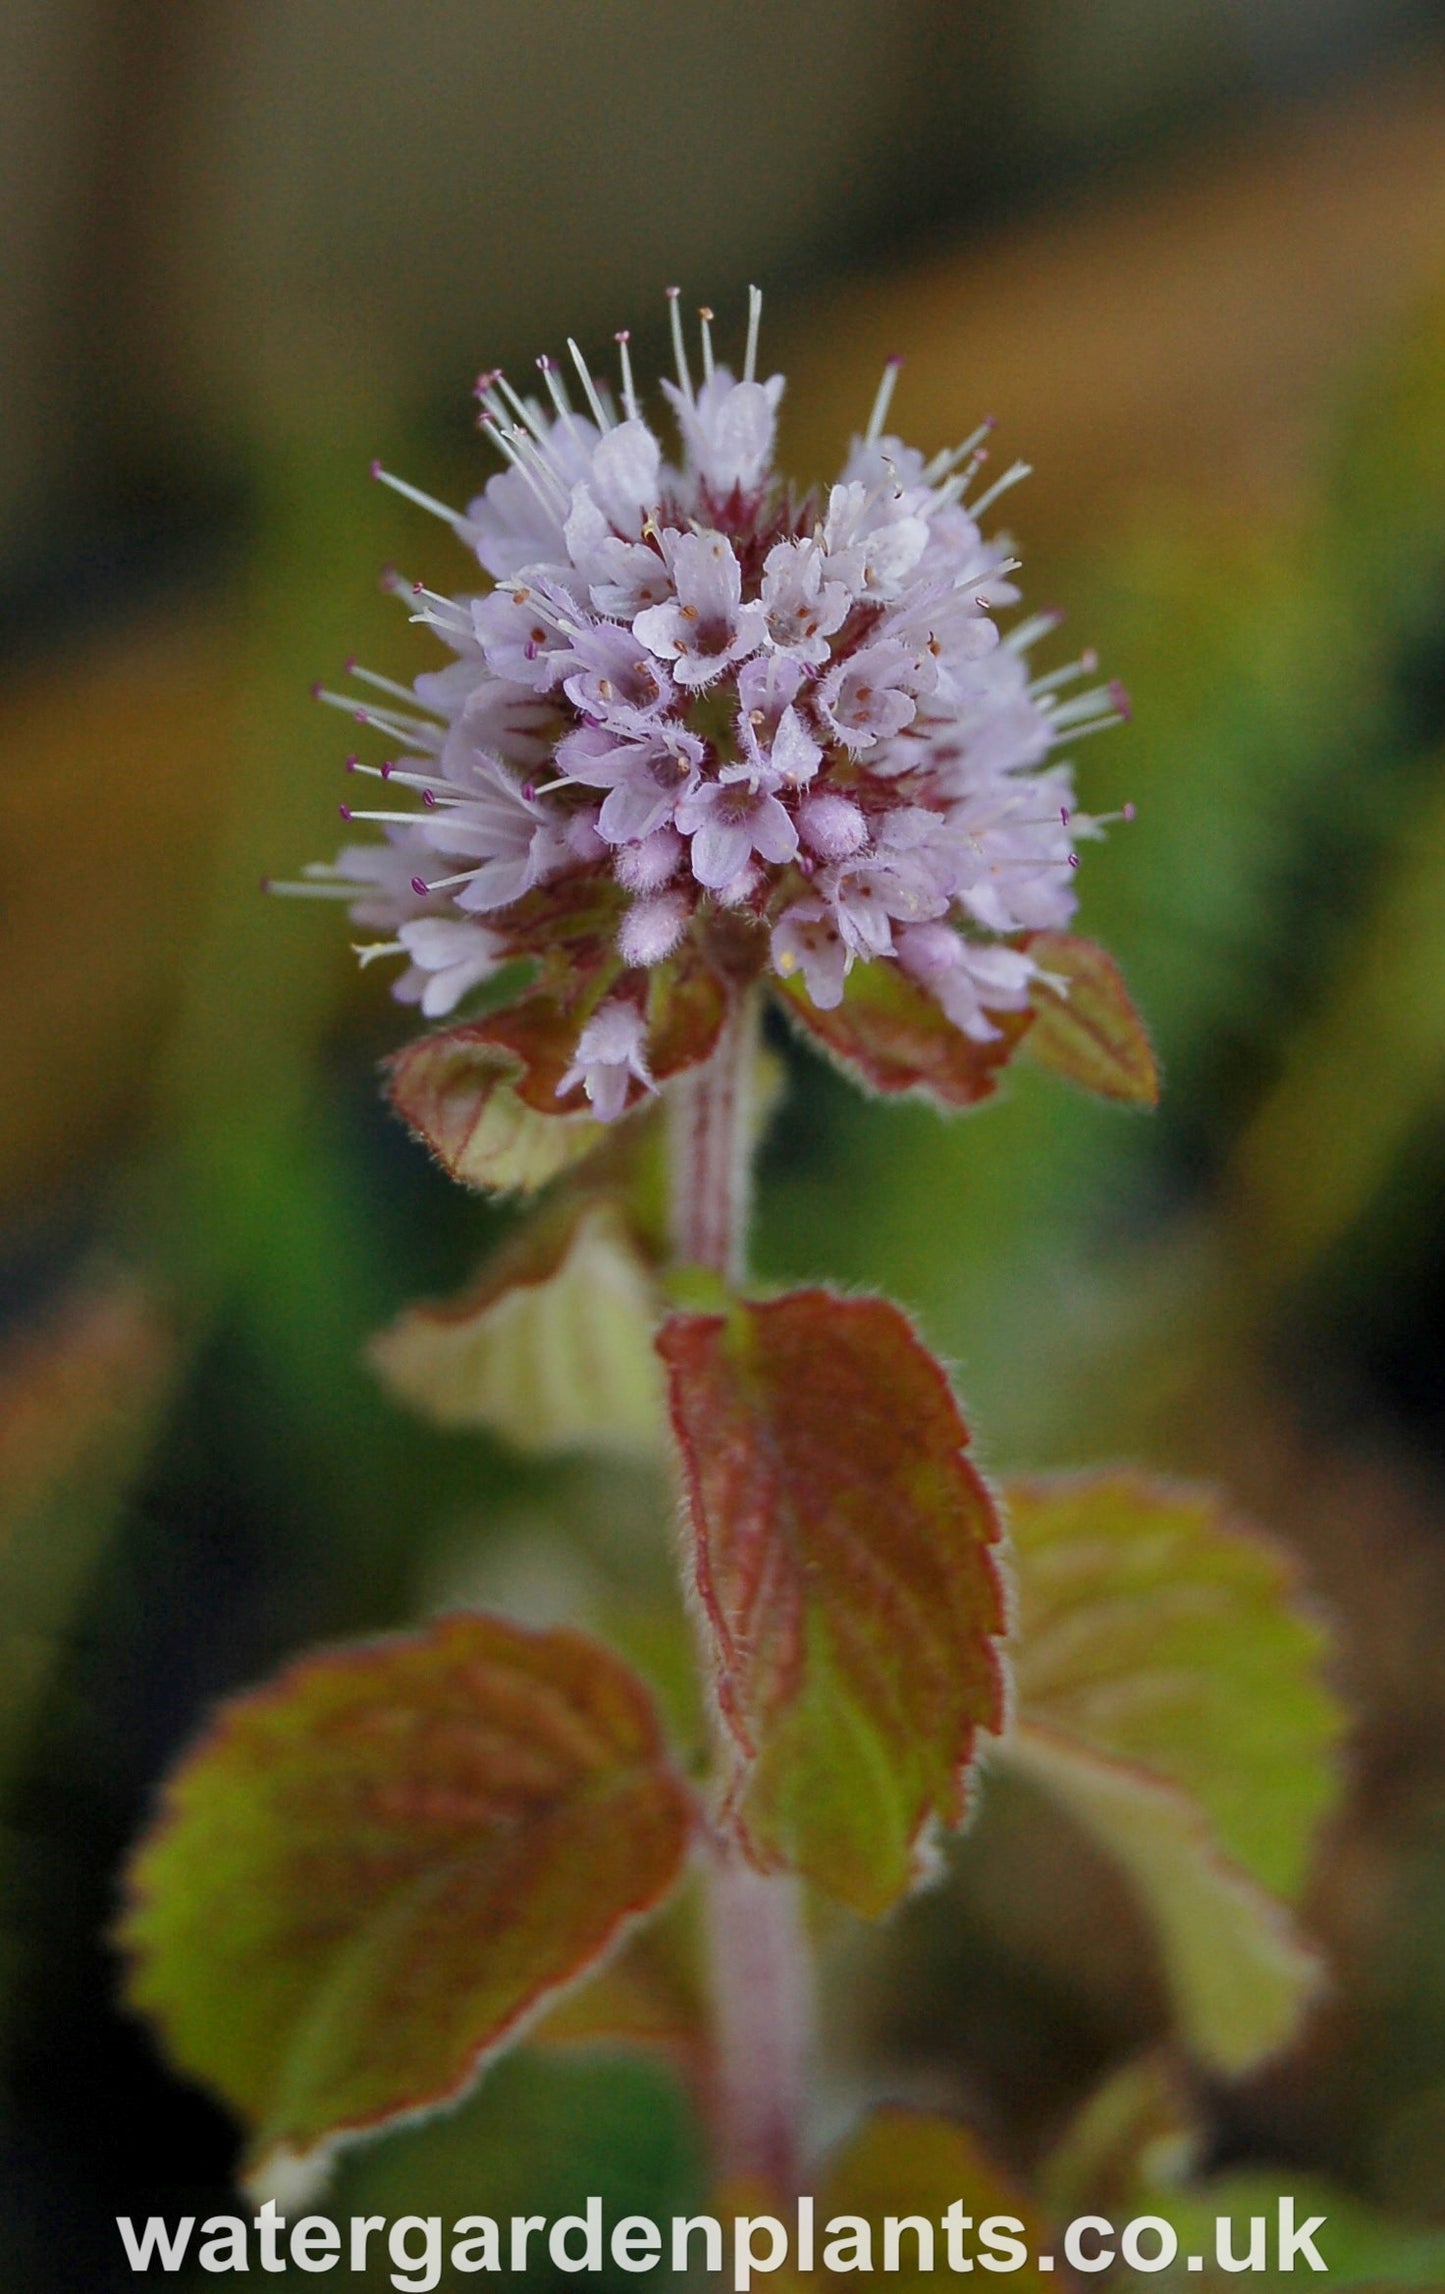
(711, 1152)
(759, 1961)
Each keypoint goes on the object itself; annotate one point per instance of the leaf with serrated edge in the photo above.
(370, 1873)
(483, 1097)
(1169, 1694)
(904, 2163)
(842, 1544)
(1238, 1973)
(1155, 1628)
(889, 1036)
(552, 1348)
(1090, 1031)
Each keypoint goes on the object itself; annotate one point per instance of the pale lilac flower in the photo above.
(806, 939)
(707, 626)
(727, 429)
(775, 745)
(871, 694)
(686, 690)
(872, 540)
(728, 822)
(448, 959)
(965, 977)
(803, 609)
(611, 1052)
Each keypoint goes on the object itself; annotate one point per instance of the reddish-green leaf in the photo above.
(1089, 1030)
(370, 1872)
(842, 1549)
(483, 1096)
(888, 1035)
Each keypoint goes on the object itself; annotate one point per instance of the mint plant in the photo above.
(707, 744)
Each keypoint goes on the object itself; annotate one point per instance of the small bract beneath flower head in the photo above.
(693, 714)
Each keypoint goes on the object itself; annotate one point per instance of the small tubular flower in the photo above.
(689, 711)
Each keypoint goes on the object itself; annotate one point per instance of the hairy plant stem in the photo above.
(759, 1960)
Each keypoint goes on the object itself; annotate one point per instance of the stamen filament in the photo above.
(459, 523)
(599, 415)
(755, 313)
(679, 347)
(624, 357)
(382, 684)
(1011, 477)
(882, 401)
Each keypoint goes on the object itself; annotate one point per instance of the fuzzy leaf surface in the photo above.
(483, 1097)
(1091, 1033)
(1169, 1694)
(551, 1348)
(891, 1037)
(369, 1872)
(842, 1546)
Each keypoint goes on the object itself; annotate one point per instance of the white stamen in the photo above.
(1074, 733)
(382, 684)
(1011, 477)
(393, 775)
(402, 819)
(509, 442)
(599, 415)
(367, 951)
(704, 320)
(624, 356)
(755, 313)
(558, 392)
(679, 347)
(388, 721)
(442, 613)
(1029, 632)
(543, 462)
(443, 883)
(1083, 667)
(951, 456)
(460, 524)
(527, 411)
(1083, 706)
(882, 402)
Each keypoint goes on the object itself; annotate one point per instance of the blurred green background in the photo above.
(1193, 257)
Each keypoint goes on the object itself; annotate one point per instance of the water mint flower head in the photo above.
(693, 716)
